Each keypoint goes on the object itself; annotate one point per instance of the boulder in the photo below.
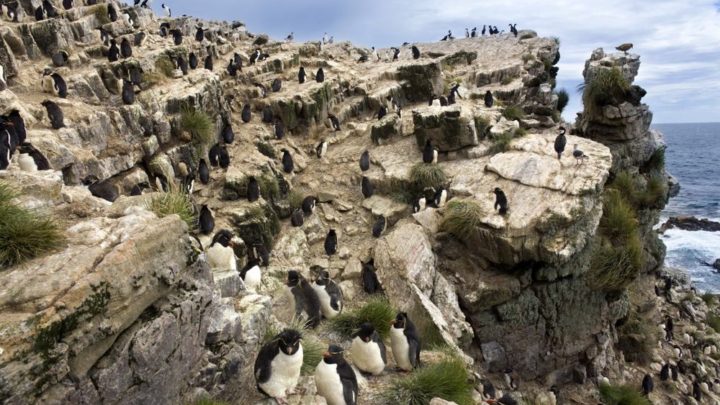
(448, 128)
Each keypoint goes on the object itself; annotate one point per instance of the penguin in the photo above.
(113, 52)
(674, 372)
(430, 154)
(67, 4)
(251, 274)
(199, 34)
(647, 384)
(267, 114)
(371, 284)
(136, 75)
(224, 158)
(278, 364)
(488, 389)
(379, 227)
(193, 60)
(488, 99)
(287, 161)
(365, 161)
(440, 198)
(335, 379)
(501, 202)
(669, 328)
(301, 75)
(330, 295)
(279, 129)
(334, 122)
(396, 53)
(26, 163)
(128, 93)
(509, 380)
(246, 114)
(103, 189)
(367, 188)
(228, 135)
(405, 342)
(579, 155)
(60, 58)
(232, 69)
(483, 31)
(665, 372)
(220, 254)
(443, 101)
(206, 220)
(331, 242)
(321, 149)
(308, 205)
(204, 172)
(177, 36)
(320, 76)
(560, 142)
(182, 65)
(276, 85)
(260, 252)
(166, 10)
(139, 38)
(296, 218)
(382, 112)
(697, 391)
(254, 56)
(40, 13)
(5, 152)
(473, 32)
(55, 114)
(37, 161)
(209, 62)
(253, 189)
(59, 85)
(112, 13)
(50, 10)
(415, 52)
(305, 298)
(125, 48)
(290, 37)
(214, 154)
(367, 350)
(419, 205)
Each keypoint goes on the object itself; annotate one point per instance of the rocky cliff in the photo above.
(129, 310)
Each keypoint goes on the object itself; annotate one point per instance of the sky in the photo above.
(678, 40)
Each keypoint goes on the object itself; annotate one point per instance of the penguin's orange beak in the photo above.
(392, 322)
(326, 355)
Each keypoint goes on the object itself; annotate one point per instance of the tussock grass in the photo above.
(101, 13)
(164, 65)
(313, 348)
(377, 311)
(198, 124)
(621, 395)
(461, 218)
(424, 175)
(713, 321)
(656, 162)
(501, 143)
(637, 338)
(295, 199)
(708, 298)
(174, 202)
(563, 99)
(614, 266)
(447, 379)
(481, 126)
(513, 112)
(609, 86)
(654, 195)
(266, 149)
(618, 221)
(269, 187)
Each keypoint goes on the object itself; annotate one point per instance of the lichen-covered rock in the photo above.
(448, 129)
(420, 81)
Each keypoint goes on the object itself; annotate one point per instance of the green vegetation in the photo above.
(653, 195)
(622, 395)
(295, 199)
(563, 99)
(267, 224)
(713, 321)
(424, 175)
(174, 202)
(506, 80)
(313, 350)
(24, 234)
(656, 162)
(101, 14)
(609, 86)
(618, 221)
(377, 311)
(637, 338)
(481, 126)
(708, 298)
(447, 379)
(461, 218)
(164, 65)
(266, 149)
(501, 143)
(513, 112)
(269, 187)
(261, 40)
(429, 333)
(198, 124)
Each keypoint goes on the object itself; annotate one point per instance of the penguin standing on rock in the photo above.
(647, 384)
(665, 372)
(305, 298)
(193, 60)
(419, 205)
(501, 202)
(335, 379)
(415, 52)
(246, 114)
(112, 13)
(279, 129)
(60, 58)
(488, 99)
(320, 75)
(287, 161)
(308, 205)
(209, 62)
(405, 342)
(334, 122)
(367, 350)
(379, 227)
(430, 154)
(128, 93)
(440, 197)
(330, 295)
(125, 48)
(177, 36)
(199, 34)
(214, 154)
(331, 242)
(579, 155)
(113, 52)
(251, 274)
(560, 142)
(204, 172)
(220, 254)
(59, 85)
(253, 189)
(371, 284)
(36, 159)
(277, 367)
(55, 114)
(365, 161)
(40, 13)
(224, 158)
(276, 85)
(321, 149)
(206, 220)
(301, 75)
(228, 134)
(297, 218)
(367, 187)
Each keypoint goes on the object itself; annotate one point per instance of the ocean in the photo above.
(692, 156)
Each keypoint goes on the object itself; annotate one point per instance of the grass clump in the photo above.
(618, 221)
(609, 86)
(269, 187)
(654, 195)
(513, 113)
(563, 99)
(501, 143)
(481, 125)
(295, 199)
(656, 162)
(377, 311)
(447, 379)
(424, 175)
(101, 14)
(622, 395)
(713, 321)
(637, 338)
(198, 124)
(164, 65)
(207, 401)
(708, 298)
(461, 218)
(174, 202)
(266, 149)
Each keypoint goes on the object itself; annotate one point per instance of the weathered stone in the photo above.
(448, 129)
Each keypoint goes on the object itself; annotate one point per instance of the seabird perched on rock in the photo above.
(579, 155)
(335, 379)
(166, 10)
(624, 47)
(647, 384)
(467, 33)
(301, 75)
(277, 366)
(560, 142)
(415, 52)
(334, 122)
(290, 37)
(501, 202)
(473, 33)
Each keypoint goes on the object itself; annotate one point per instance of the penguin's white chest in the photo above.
(400, 349)
(253, 278)
(27, 163)
(284, 374)
(327, 309)
(366, 356)
(329, 386)
(221, 258)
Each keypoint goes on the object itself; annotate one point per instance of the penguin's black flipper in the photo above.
(335, 294)
(349, 383)
(263, 362)
(376, 339)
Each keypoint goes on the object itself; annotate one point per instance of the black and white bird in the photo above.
(55, 114)
(467, 33)
(301, 75)
(501, 202)
(253, 189)
(329, 293)
(246, 114)
(40, 13)
(430, 154)
(199, 34)
(308, 205)
(279, 129)
(647, 384)
(331, 242)
(382, 112)
(128, 93)
(560, 142)
(419, 204)
(166, 10)
(665, 372)
(379, 226)
(371, 284)
(415, 52)
(278, 364)
(297, 218)
(59, 85)
(335, 379)
(203, 172)
(395, 53)
(579, 155)
(367, 187)
(304, 301)
(488, 99)
(367, 350)
(67, 4)
(488, 389)
(193, 60)
(228, 135)
(209, 65)
(440, 197)
(290, 37)
(206, 222)
(334, 122)
(287, 161)
(473, 32)
(365, 161)
(251, 274)
(321, 148)
(220, 254)
(405, 342)
(320, 75)
(224, 157)
(113, 52)
(276, 85)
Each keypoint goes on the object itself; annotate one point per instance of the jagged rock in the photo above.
(440, 401)
(387, 207)
(448, 129)
(688, 223)
(385, 129)
(420, 81)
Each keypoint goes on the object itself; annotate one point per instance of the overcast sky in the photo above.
(678, 40)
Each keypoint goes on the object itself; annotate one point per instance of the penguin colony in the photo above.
(278, 362)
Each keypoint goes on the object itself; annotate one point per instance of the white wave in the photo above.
(693, 251)
(699, 241)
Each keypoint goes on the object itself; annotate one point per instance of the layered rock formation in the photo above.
(130, 312)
